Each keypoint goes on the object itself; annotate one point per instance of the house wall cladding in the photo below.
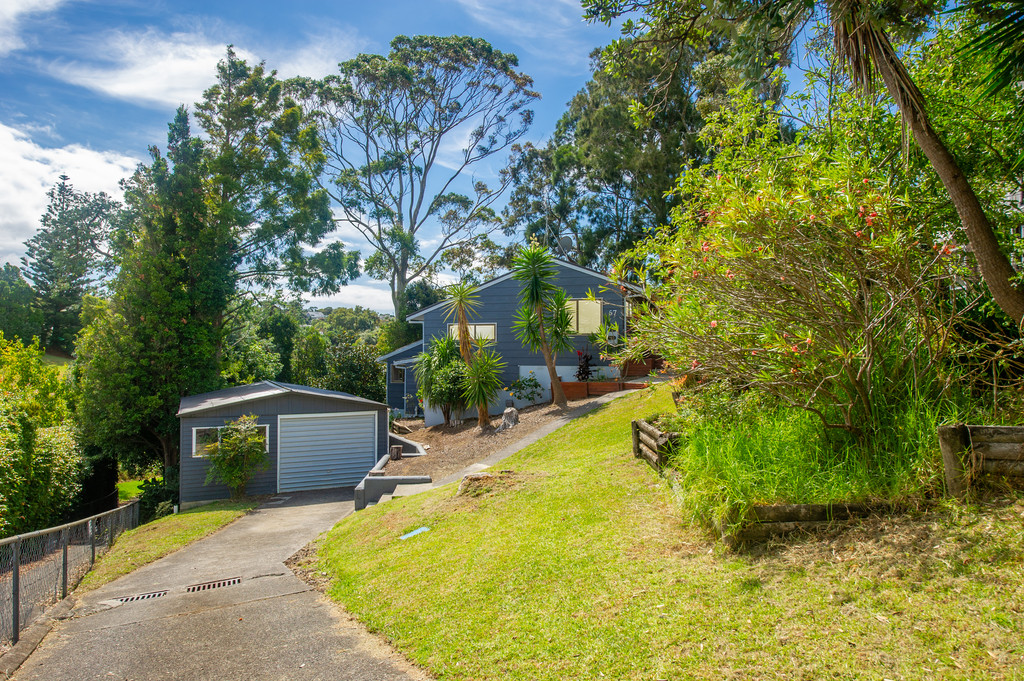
(193, 470)
(396, 392)
(498, 304)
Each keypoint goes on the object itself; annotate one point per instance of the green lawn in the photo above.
(578, 565)
(128, 489)
(154, 540)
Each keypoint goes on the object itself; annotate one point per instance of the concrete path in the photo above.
(258, 621)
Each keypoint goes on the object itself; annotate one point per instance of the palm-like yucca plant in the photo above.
(542, 321)
(483, 381)
(462, 303)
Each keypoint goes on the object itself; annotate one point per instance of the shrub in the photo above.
(240, 453)
(158, 496)
(526, 388)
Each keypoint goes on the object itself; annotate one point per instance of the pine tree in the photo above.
(57, 263)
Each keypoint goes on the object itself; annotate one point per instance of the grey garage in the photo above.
(316, 439)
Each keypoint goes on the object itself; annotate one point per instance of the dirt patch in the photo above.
(485, 484)
(303, 563)
(449, 450)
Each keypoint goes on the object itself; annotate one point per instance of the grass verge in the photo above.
(579, 565)
(154, 540)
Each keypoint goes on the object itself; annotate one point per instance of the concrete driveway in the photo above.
(228, 608)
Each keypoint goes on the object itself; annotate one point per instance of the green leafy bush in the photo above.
(41, 463)
(157, 496)
(526, 388)
(240, 453)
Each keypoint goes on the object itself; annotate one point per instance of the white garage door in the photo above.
(317, 451)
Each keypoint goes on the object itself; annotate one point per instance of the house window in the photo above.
(584, 315)
(479, 331)
(397, 374)
(204, 437)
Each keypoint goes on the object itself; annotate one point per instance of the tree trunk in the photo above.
(399, 283)
(557, 394)
(483, 418)
(995, 267)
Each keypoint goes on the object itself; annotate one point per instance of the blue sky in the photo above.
(89, 86)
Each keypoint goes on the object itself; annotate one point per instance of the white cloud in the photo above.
(375, 296)
(147, 67)
(319, 54)
(30, 170)
(12, 12)
(551, 29)
(159, 69)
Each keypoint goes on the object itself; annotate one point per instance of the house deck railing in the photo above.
(39, 568)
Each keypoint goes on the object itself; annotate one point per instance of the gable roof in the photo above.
(419, 314)
(404, 348)
(240, 394)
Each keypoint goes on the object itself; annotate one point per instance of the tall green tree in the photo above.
(385, 128)
(605, 177)
(159, 337)
(263, 202)
(863, 34)
(220, 218)
(19, 318)
(337, 361)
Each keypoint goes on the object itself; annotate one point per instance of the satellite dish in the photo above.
(566, 245)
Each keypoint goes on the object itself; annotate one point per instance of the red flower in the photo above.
(714, 324)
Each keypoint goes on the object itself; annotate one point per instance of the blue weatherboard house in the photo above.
(497, 305)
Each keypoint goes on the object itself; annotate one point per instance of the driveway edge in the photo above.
(30, 639)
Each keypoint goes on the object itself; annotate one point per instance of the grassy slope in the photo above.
(154, 540)
(583, 568)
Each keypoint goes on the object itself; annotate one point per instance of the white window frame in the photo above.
(196, 455)
(453, 331)
(392, 378)
(574, 310)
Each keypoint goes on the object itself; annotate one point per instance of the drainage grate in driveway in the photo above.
(142, 597)
(206, 586)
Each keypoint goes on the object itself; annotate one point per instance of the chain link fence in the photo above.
(39, 568)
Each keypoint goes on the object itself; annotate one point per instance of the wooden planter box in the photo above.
(970, 452)
(577, 390)
(602, 387)
(574, 390)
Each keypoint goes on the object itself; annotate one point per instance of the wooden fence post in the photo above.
(955, 444)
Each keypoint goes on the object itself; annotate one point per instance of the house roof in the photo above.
(192, 404)
(419, 314)
(384, 358)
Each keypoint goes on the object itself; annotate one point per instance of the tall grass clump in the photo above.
(741, 448)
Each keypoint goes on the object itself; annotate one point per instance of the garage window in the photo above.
(204, 437)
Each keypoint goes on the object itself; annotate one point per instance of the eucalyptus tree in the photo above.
(863, 31)
(605, 176)
(398, 137)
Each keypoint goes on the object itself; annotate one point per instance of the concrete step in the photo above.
(409, 490)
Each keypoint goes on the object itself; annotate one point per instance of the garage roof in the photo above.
(258, 391)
